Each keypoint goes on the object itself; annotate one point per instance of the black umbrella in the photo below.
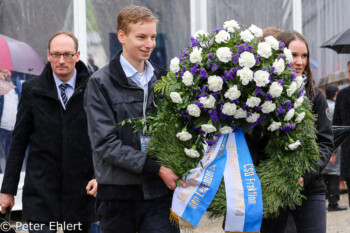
(341, 134)
(339, 43)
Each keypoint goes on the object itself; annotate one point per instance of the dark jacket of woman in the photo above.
(59, 164)
(313, 181)
(342, 117)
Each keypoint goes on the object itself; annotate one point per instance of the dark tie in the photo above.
(63, 88)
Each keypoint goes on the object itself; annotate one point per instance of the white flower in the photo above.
(193, 110)
(203, 34)
(196, 55)
(208, 128)
(215, 83)
(272, 42)
(264, 50)
(233, 93)
(247, 59)
(289, 115)
(293, 146)
(240, 113)
(187, 78)
(299, 101)
(231, 25)
(176, 98)
(192, 153)
(268, 107)
(279, 66)
(299, 80)
(292, 88)
(261, 78)
(253, 101)
(224, 54)
(246, 36)
(200, 33)
(256, 30)
(288, 55)
(174, 64)
(300, 117)
(184, 136)
(222, 37)
(226, 130)
(229, 109)
(208, 102)
(246, 75)
(275, 89)
(253, 118)
(274, 126)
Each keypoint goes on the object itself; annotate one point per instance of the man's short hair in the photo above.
(348, 62)
(133, 14)
(331, 90)
(63, 32)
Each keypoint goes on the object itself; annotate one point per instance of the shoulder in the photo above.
(101, 74)
(158, 70)
(344, 92)
(31, 83)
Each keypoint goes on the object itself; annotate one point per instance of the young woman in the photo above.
(310, 217)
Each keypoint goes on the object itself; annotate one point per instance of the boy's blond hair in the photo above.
(133, 14)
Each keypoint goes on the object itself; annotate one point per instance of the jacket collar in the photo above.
(47, 87)
(118, 75)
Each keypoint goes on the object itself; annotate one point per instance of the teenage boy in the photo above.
(134, 191)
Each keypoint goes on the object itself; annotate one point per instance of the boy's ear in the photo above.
(121, 36)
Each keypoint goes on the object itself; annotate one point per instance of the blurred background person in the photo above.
(331, 173)
(91, 66)
(9, 98)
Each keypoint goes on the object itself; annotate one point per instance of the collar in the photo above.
(71, 81)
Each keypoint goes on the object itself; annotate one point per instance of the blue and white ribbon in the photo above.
(243, 189)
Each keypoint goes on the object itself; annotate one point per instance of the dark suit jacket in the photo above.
(59, 164)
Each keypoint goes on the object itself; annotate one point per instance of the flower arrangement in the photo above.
(228, 81)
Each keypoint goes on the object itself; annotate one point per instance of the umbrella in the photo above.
(339, 43)
(19, 56)
(341, 134)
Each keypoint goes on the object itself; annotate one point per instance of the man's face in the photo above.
(139, 42)
(6, 74)
(62, 67)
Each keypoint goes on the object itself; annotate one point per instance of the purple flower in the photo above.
(256, 122)
(194, 68)
(280, 111)
(217, 30)
(300, 92)
(213, 115)
(288, 127)
(203, 73)
(194, 42)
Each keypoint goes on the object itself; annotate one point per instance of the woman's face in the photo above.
(300, 54)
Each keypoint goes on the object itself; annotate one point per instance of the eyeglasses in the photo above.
(65, 55)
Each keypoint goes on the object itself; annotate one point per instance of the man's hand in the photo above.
(333, 159)
(6, 200)
(169, 178)
(91, 188)
(301, 181)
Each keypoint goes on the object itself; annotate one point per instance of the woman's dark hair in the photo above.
(287, 37)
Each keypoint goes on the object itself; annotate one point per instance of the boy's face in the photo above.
(139, 42)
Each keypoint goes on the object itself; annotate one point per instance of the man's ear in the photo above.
(121, 36)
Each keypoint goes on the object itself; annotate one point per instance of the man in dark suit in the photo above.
(52, 121)
(342, 117)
